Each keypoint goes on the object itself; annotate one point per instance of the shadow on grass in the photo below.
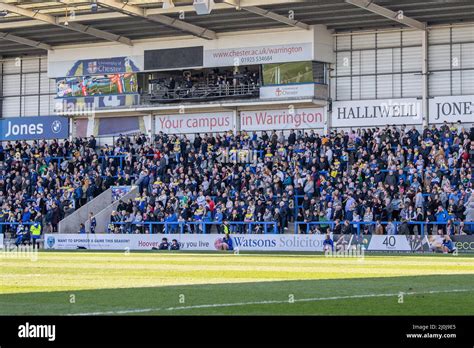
(373, 296)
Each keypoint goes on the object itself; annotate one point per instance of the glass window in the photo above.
(287, 73)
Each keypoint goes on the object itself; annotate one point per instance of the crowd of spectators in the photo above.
(45, 181)
(388, 174)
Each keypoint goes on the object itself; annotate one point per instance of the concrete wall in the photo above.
(323, 44)
(103, 217)
(71, 224)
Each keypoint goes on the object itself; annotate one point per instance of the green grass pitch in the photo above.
(155, 283)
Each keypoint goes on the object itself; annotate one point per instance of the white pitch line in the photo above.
(236, 304)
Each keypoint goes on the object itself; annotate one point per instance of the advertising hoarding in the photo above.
(287, 91)
(381, 112)
(258, 55)
(31, 128)
(244, 242)
(195, 123)
(452, 109)
(282, 119)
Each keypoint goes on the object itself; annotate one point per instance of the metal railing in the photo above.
(195, 227)
(258, 227)
(164, 94)
(420, 227)
(299, 198)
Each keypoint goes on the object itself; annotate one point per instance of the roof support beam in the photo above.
(369, 5)
(184, 26)
(276, 17)
(24, 41)
(133, 10)
(152, 11)
(75, 26)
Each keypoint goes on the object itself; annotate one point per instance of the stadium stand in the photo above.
(212, 158)
(346, 182)
(346, 118)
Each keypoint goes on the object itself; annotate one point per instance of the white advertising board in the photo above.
(377, 112)
(452, 109)
(287, 91)
(389, 243)
(245, 242)
(258, 55)
(195, 123)
(282, 119)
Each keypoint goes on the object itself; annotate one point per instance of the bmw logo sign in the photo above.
(56, 127)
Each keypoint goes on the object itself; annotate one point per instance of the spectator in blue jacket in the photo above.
(448, 245)
(328, 244)
(207, 217)
(26, 215)
(172, 219)
(218, 218)
(442, 217)
(22, 235)
(227, 243)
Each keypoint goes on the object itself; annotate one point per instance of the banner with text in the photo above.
(95, 66)
(30, 128)
(388, 243)
(377, 112)
(452, 109)
(287, 91)
(195, 123)
(282, 119)
(244, 242)
(258, 55)
(462, 243)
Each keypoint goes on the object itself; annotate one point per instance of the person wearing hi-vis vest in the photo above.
(225, 227)
(35, 231)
